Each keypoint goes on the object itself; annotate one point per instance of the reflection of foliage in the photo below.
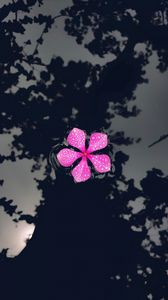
(55, 97)
(8, 207)
(152, 212)
(108, 21)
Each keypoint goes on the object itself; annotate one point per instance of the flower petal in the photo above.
(97, 141)
(66, 157)
(77, 138)
(82, 171)
(101, 162)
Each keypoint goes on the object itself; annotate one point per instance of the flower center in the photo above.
(85, 153)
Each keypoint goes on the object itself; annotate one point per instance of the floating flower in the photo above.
(77, 139)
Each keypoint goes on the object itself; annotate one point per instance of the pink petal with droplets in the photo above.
(77, 138)
(66, 157)
(101, 162)
(97, 141)
(82, 171)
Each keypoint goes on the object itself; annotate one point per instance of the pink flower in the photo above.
(77, 139)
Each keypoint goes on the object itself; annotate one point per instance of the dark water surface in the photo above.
(99, 66)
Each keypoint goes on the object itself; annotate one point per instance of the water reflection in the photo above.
(19, 185)
(149, 125)
(113, 84)
(14, 236)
